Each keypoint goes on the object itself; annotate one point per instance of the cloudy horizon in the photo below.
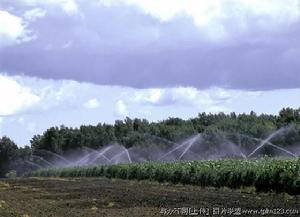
(74, 62)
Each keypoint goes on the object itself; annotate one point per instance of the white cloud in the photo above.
(121, 109)
(206, 12)
(152, 96)
(92, 104)
(215, 16)
(165, 96)
(212, 99)
(201, 11)
(35, 13)
(21, 94)
(14, 97)
(69, 6)
(37, 104)
(12, 29)
(67, 95)
(185, 94)
(61, 95)
(180, 95)
(66, 90)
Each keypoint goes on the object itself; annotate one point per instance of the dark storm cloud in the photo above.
(123, 46)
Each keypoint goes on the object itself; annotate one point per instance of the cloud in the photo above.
(12, 29)
(206, 11)
(68, 6)
(208, 99)
(34, 14)
(121, 109)
(188, 96)
(166, 96)
(30, 105)
(251, 45)
(212, 99)
(29, 95)
(15, 97)
(92, 104)
(213, 16)
(23, 95)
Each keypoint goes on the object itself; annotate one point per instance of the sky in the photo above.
(76, 62)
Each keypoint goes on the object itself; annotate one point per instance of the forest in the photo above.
(140, 132)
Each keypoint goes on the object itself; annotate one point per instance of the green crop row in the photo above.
(278, 175)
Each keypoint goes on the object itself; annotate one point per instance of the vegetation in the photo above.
(136, 132)
(140, 132)
(11, 174)
(7, 152)
(279, 175)
(12, 157)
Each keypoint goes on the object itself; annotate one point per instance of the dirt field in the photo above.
(34, 197)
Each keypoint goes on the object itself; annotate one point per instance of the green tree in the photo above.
(8, 150)
(287, 116)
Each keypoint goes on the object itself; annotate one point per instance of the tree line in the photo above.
(140, 132)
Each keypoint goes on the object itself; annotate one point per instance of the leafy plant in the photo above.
(278, 175)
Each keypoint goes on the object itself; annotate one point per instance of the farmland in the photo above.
(266, 175)
(136, 168)
(92, 197)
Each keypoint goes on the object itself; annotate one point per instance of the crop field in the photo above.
(266, 175)
(103, 197)
(149, 189)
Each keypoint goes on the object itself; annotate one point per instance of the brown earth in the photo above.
(56, 197)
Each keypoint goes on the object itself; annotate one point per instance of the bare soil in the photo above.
(57, 197)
